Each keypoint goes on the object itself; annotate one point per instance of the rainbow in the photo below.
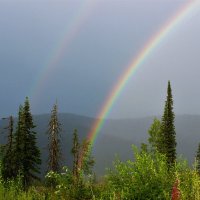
(143, 55)
(70, 32)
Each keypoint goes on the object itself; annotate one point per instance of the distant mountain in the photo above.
(115, 138)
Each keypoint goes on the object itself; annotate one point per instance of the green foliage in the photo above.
(26, 155)
(148, 177)
(7, 166)
(18, 144)
(65, 188)
(168, 130)
(75, 184)
(63, 181)
(144, 178)
(198, 159)
(144, 147)
(155, 136)
(189, 181)
(31, 153)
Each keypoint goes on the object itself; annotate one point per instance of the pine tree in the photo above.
(54, 141)
(30, 159)
(7, 159)
(155, 136)
(18, 144)
(168, 129)
(198, 159)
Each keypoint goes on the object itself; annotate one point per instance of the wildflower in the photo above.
(176, 194)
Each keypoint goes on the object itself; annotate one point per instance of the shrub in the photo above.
(148, 177)
(67, 188)
(145, 178)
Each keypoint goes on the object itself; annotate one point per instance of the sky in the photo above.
(75, 51)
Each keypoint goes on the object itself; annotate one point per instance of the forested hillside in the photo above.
(116, 133)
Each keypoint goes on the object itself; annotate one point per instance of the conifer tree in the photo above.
(168, 129)
(54, 141)
(7, 159)
(198, 159)
(18, 144)
(31, 154)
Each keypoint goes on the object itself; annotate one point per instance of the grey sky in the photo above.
(111, 34)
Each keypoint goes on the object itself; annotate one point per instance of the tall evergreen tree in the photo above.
(7, 159)
(31, 154)
(168, 129)
(198, 159)
(54, 147)
(18, 144)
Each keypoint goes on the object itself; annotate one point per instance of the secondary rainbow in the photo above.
(146, 51)
(71, 30)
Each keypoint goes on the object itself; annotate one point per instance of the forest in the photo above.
(155, 172)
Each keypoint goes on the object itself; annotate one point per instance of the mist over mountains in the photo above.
(115, 138)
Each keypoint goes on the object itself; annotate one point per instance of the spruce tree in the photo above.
(168, 129)
(31, 154)
(18, 144)
(54, 147)
(198, 159)
(7, 159)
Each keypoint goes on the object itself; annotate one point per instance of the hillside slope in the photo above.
(115, 138)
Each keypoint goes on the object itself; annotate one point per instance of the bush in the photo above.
(145, 178)
(148, 177)
(189, 181)
(68, 188)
